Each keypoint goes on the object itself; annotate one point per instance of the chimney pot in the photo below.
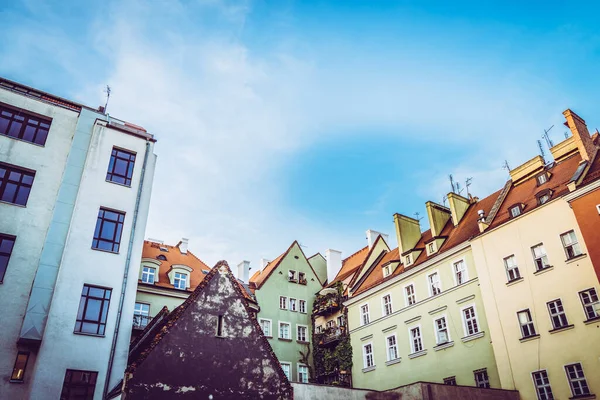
(334, 263)
(263, 263)
(244, 271)
(183, 245)
(372, 237)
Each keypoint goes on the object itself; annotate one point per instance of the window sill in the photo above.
(417, 354)
(302, 342)
(105, 251)
(119, 184)
(395, 361)
(285, 340)
(269, 337)
(514, 281)
(529, 338)
(443, 346)
(24, 141)
(583, 397)
(13, 204)
(15, 381)
(545, 269)
(473, 337)
(89, 334)
(570, 260)
(587, 321)
(368, 369)
(562, 328)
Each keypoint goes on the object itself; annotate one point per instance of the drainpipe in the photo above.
(125, 274)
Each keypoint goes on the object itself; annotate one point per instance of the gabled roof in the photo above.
(371, 252)
(350, 265)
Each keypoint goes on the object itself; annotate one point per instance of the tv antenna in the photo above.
(458, 189)
(444, 200)
(452, 183)
(547, 137)
(506, 166)
(539, 142)
(566, 135)
(467, 184)
(107, 91)
(417, 216)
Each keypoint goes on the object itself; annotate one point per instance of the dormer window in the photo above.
(541, 179)
(544, 197)
(179, 276)
(161, 257)
(180, 280)
(515, 211)
(387, 270)
(163, 248)
(148, 274)
(408, 259)
(431, 247)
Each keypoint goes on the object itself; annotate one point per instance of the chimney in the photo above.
(438, 216)
(372, 237)
(183, 245)
(458, 206)
(244, 271)
(581, 136)
(263, 263)
(481, 221)
(408, 232)
(528, 169)
(334, 263)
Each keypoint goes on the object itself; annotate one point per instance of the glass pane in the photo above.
(120, 167)
(104, 312)
(27, 179)
(108, 230)
(42, 134)
(96, 292)
(3, 124)
(81, 308)
(6, 245)
(29, 133)
(93, 310)
(88, 327)
(9, 192)
(15, 128)
(22, 195)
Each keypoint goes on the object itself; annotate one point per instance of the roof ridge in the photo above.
(355, 253)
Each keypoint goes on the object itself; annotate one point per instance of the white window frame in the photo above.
(581, 378)
(285, 306)
(515, 267)
(302, 306)
(486, 383)
(518, 207)
(298, 326)
(406, 296)
(574, 245)
(292, 276)
(183, 277)
(430, 284)
(141, 311)
(298, 372)
(545, 179)
(289, 330)
(293, 308)
(289, 364)
(545, 387)
(153, 274)
(529, 323)
(407, 260)
(411, 339)
(365, 355)
(394, 346)
(430, 248)
(465, 271)
(464, 320)
(437, 331)
(260, 321)
(590, 305)
(383, 305)
(362, 314)
(543, 257)
(560, 315)
(387, 270)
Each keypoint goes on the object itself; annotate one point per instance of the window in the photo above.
(387, 270)
(292, 276)
(283, 302)
(79, 385)
(6, 247)
(340, 320)
(120, 167)
(15, 184)
(219, 331)
(392, 347)
(24, 126)
(319, 329)
(286, 367)
(540, 259)
(364, 314)
(302, 373)
(411, 297)
(293, 304)
(302, 278)
(450, 381)
(460, 272)
(301, 333)
(368, 360)
(109, 227)
(481, 378)
(148, 274)
(180, 280)
(588, 298)
(18, 372)
(284, 331)
(141, 313)
(431, 248)
(387, 304)
(161, 257)
(526, 323)
(541, 179)
(407, 259)
(265, 324)
(542, 385)
(470, 320)
(302, 306)
(434, 284)
(512, 270)
(570, 244)
(577, 381)
(441, 330)
(330, 324)
(416, 342)
(515, 211)
(557, 314)
(543, 197)
(93, 309)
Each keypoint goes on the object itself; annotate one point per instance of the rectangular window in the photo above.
(526, 323)
(79, 385)
(434, 284)
(284, 331)
(387, 304)
(265, 324)
(451, 381)
(512, 270)
(141, 315)
(411, 297)
(286, 367)
(148, 274)
(571, 245)
(540, 259)
(431, 248)
(364, 314)
(219, 332)
(340, 320)
(368, 360)
(588, 298)
(392, 348)
(515, 211)
(120, 167)
(93, 310)
(24, 126)
(577, 381)
(109, 227)
(293, 305)
(541, 179)
(180, 280)
(387, 270)
(302, 278)
(416, 341)
(283, 302)
(301, 333)
(470, 319)
(292, 276)
(481, 378)
(6, 247)
(542, 385)
(302, 373)
(441, 330)
(15, 184)
(557, 314)
(460, 272)
(18, 372)
(302, 306)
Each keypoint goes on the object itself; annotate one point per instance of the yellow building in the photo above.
(537, 281)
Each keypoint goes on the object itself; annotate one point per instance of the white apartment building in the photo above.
(75, 188)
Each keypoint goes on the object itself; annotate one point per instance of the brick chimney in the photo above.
(581, 135)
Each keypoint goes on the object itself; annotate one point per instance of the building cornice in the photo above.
(582, 191)
(161, 291)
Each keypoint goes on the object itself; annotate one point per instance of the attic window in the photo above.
(407, 259)
(161, 257)
(544, 197)
(387, 270)
(541, 179)
(162, 248)
(515, 211)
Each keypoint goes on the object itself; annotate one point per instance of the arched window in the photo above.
(161, 257)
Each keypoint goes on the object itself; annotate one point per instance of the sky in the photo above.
(313, 120)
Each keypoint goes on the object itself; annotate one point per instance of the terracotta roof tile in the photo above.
(350, 265)
(260, 277)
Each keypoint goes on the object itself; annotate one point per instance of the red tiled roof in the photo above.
(350, 265)
(260, 277)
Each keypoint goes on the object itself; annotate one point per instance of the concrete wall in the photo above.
(303, 391)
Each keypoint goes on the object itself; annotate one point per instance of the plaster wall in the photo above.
(303, 391)
(587, 213)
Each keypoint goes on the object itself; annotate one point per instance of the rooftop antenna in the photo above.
(566, 135)
(452, 183)
(539, 142)
(444, 199)
(467, 184)
(547, 137)
(506, 166)
(417, 216)
(458, 189)
(107, 91)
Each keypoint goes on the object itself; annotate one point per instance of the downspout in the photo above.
(125, 275)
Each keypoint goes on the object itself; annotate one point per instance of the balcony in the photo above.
(331, 335)
(328, 304)
(141, 321)
(336, 378)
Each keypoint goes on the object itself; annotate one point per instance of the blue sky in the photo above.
(309, 120)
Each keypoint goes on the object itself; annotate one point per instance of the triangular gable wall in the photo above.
(378, 247)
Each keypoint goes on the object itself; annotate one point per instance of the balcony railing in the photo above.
(141, 321)
(336, 378)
